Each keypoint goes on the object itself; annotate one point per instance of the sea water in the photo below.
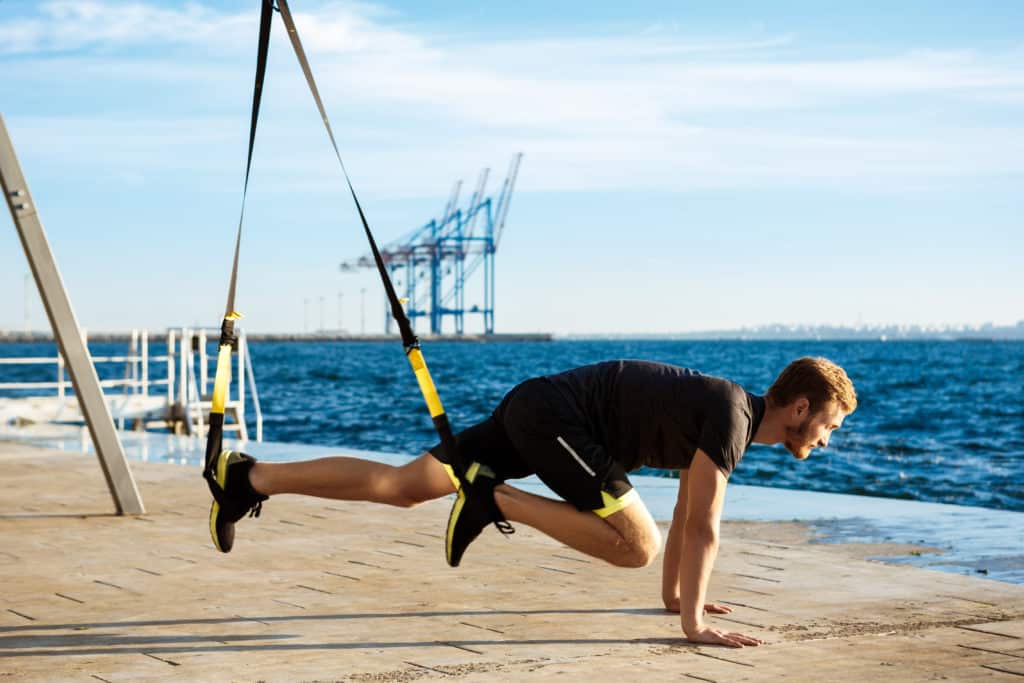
(938, 421)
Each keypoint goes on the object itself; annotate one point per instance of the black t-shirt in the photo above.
(658, 415)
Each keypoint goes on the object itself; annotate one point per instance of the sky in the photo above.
(686, 166)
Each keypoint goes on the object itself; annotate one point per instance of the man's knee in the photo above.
(405, 499)
(640, 551)
(403, 492)
(411, 484)
(640, 538)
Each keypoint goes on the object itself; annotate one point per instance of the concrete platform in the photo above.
(325, 591)
(43, 409)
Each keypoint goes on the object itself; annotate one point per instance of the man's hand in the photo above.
(716, 636)
(715, 608)
(709, 607)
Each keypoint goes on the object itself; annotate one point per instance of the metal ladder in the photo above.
(196, 390)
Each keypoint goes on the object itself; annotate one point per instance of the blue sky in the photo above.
(687, 166)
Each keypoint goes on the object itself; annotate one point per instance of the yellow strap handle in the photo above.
(222, 380)
(429, 391)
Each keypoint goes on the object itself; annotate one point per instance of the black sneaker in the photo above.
(473, 510)
(233, 496)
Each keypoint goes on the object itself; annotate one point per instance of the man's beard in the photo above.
(798, 435)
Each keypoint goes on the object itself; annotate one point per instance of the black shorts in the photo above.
(535, 430)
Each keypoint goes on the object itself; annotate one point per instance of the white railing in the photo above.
(136, 379)
(196, 376)
(186, 381)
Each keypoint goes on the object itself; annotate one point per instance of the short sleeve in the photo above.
(724, 437)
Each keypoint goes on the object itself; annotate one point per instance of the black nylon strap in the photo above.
(215, 434)
(266, 17)
(409, 339)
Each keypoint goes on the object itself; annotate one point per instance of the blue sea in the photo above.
(938, 421)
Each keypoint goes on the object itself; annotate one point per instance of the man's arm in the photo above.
(705, 495)
(673, 549)
(673, 553)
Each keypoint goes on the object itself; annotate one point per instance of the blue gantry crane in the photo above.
(432, 264)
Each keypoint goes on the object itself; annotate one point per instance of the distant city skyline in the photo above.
(775, 332)
(686, 168)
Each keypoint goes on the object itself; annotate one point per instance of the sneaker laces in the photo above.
(500, 523)
(504, 526)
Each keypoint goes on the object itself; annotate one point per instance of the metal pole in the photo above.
(170, 369)
(243, 434)
(186, 357)
(145, 362)
(67, 331)
(204, 364)
(129, 387)
(60, 378)
(28, 324)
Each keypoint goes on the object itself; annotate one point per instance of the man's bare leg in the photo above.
(627, 538)
(345, 478)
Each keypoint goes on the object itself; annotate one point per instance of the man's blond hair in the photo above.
(819, 380)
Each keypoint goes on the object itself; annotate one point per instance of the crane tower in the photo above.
(432, 263)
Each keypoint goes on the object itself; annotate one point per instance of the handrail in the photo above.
(252, 387)
(196, 364)
(185, 382)
(95, 359)
(56, 385)
(135, 381)
(193, 408)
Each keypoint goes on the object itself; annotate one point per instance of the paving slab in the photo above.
(319, 590)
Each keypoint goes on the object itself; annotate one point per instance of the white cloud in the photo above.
(66, 25)
(651, 109)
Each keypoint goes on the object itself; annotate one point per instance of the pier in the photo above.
(329, 591)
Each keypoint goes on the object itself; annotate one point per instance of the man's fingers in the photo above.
(746, 640)
(725, 638)
(715, 608)
(714, 636)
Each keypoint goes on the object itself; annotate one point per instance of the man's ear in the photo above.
(801, 406)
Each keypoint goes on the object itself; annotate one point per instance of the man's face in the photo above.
(811, 431)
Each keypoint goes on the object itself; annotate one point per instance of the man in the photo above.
(581, 431)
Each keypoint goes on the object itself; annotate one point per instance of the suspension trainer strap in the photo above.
(228, 341)
(409, 339)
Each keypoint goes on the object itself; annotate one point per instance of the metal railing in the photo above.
(135, 382)
(196, 376)
(185, 384)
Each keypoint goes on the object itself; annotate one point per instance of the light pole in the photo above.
(362, 311)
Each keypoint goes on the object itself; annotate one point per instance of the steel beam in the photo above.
(67, 332)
